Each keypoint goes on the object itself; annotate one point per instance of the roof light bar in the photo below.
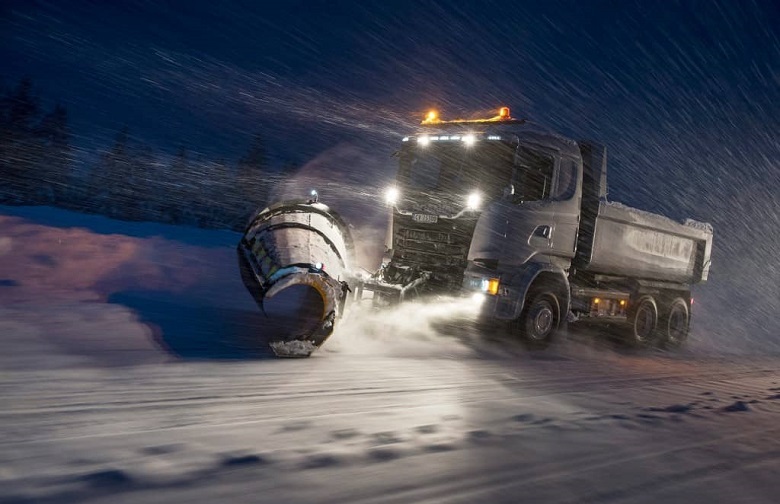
(504, 114)
(468, 139)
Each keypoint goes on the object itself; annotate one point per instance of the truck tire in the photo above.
(643, 317)
(540, 320)
(676, 324)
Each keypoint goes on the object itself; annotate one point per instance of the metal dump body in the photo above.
(637, 244)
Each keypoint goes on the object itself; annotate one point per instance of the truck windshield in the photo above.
(454, 167)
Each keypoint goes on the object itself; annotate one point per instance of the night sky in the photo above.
(685, 94)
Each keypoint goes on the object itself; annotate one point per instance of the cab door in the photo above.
(565, 197)
(531, 215)
(543, 218)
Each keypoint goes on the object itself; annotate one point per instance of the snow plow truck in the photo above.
(507, 213)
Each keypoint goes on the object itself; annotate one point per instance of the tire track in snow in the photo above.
(356, 400)
(466, 488)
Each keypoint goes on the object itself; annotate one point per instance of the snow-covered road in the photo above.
(139, 383)
(342, 427)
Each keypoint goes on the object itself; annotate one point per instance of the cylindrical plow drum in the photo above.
(299, 243)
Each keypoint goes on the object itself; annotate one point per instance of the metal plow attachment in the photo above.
(299, 243)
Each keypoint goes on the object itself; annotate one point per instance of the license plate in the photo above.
(425, 218)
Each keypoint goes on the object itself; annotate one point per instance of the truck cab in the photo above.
(479, 193)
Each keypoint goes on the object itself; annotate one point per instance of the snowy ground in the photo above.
(132, 374)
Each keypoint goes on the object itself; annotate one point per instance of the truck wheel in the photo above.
(540, 320)
(644, 322)
(677, 324)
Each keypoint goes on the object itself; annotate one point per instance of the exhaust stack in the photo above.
(298, 243)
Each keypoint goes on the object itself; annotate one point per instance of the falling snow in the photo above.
(131, 377)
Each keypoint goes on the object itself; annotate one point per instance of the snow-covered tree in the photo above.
(110, 183)
(253, 172)
(53, 167)
(19, 148)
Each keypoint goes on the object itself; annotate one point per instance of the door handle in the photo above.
(543, 231)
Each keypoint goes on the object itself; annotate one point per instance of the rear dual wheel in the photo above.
(668, 328)
(676, 324)
(643, 317)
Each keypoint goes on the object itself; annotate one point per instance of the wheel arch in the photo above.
(540, 276)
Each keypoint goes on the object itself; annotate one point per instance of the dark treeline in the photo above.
(127, 180)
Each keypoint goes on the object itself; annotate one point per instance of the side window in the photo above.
(533, 175)
(567, 179)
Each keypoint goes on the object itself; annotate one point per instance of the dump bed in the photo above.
(634, 243)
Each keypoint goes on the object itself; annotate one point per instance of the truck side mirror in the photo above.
(509, 191)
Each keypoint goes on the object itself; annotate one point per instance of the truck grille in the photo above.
(432, 246)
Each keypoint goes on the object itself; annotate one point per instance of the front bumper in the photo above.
(500, 298)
